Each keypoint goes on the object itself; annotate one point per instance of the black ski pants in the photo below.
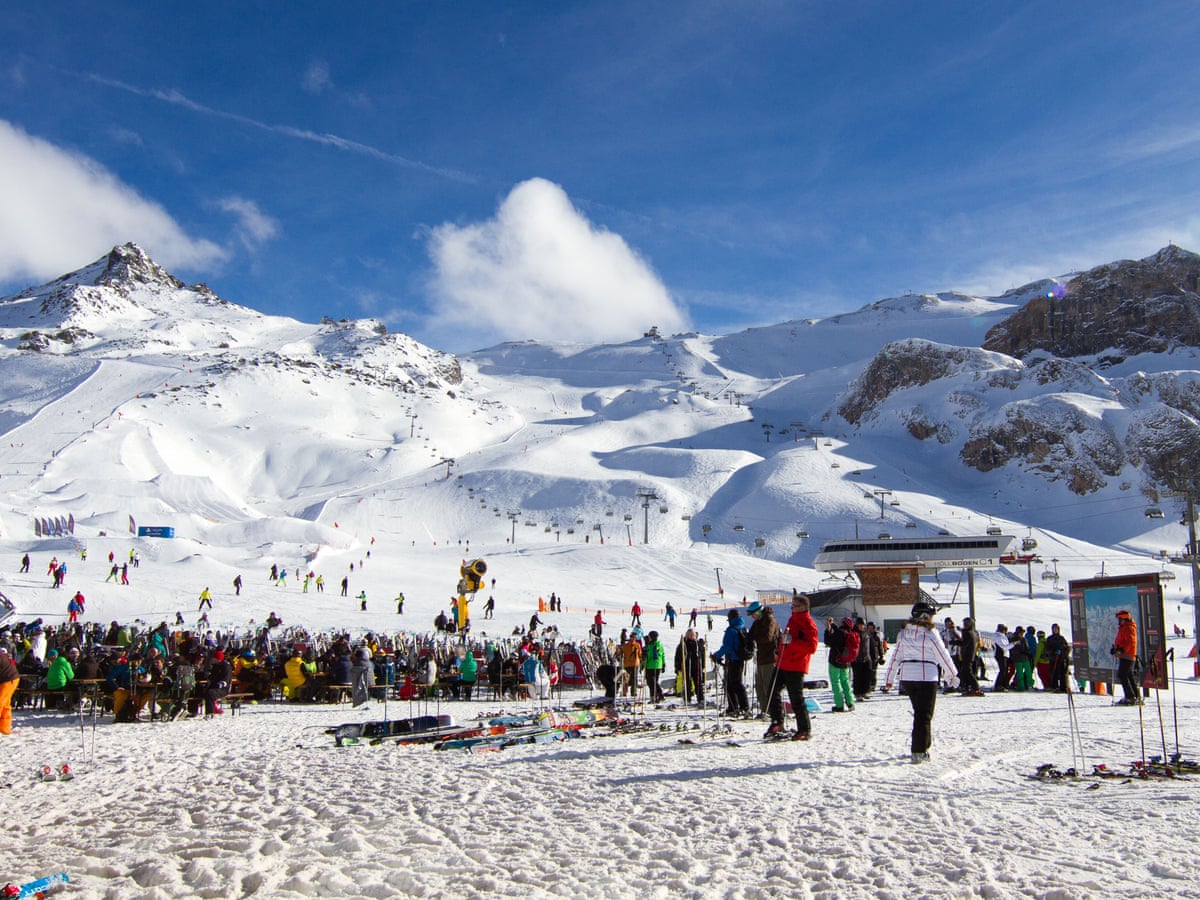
(793, 682)
(735, 687)
(923, 697)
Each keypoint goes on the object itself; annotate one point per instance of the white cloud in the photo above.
(62, 209)
(317, 79)
(254, 227)
(540, 270)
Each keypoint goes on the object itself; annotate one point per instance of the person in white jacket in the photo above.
(920, 660)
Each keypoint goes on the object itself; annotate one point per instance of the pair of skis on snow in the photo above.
(37, 888)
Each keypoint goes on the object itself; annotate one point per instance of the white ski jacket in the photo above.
(920, 655)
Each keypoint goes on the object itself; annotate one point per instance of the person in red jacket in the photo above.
(799, 644)
(1125, 649)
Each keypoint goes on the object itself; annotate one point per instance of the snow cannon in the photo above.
(471, 574)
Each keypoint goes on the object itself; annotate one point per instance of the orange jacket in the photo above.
(1125, 642)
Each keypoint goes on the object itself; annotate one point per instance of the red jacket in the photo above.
(799, 642)
(1126, 641)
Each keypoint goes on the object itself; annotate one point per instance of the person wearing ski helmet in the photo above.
(920, 660)
(729, 655)
(1125, 649)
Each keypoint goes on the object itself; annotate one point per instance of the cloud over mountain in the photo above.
(539, 269)
(60, 207)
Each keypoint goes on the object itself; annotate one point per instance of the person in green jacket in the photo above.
(655, 660)
(58, 676)
(467, 672)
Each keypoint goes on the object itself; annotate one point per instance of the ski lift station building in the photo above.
(889, 570)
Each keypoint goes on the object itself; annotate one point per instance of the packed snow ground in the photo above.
(262, 804)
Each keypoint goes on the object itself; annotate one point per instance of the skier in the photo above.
(124, 573)
(968, 649)
(237, 585)
(1057, 657)
(362, 600)
(489, 607)
(636, 613)
(799, 643)
(654, 661)
(670, 615)
(400, 603)
(345, 585)
(9, 679)
(1124, 648)
(729, 655)
(921, 660)
(205, 600)
(842, 642)
(25, 563)
(765, 633)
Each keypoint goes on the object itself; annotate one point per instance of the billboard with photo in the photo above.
(1095, 603)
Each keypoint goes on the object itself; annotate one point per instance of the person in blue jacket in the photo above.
(729, 655)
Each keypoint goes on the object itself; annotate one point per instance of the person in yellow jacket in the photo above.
(294, 676)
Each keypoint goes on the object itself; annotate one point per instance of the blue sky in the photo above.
(475, 172)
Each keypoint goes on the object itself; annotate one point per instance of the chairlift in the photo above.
(802, 534)
(628, 517)
(760, 542)
(828, 443)
(1154, 513)
(910, 524)
(706, 528)
(546, 529)
(1028, 543)
(884, 536)
(893, 503)
(994, 530)
(1049, 575)
(739, 527)
(942, 532)
(663, 509)
(687, 517)
(608, 512)
(868, 495)
(530, 523)
(1166, 575)
(835, 465)
(570, 531)
(579, 521)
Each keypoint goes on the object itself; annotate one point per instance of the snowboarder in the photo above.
(400, 603)
(489, 607)
(25, 563)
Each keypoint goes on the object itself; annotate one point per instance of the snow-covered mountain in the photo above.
(126, 393)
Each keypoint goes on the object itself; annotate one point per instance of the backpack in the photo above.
(745, 645)
(850, 650)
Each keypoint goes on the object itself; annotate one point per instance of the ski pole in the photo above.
(1174, 706)
(1158, 702)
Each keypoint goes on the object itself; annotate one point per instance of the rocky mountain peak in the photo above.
(128, 265)
(1120, 309)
